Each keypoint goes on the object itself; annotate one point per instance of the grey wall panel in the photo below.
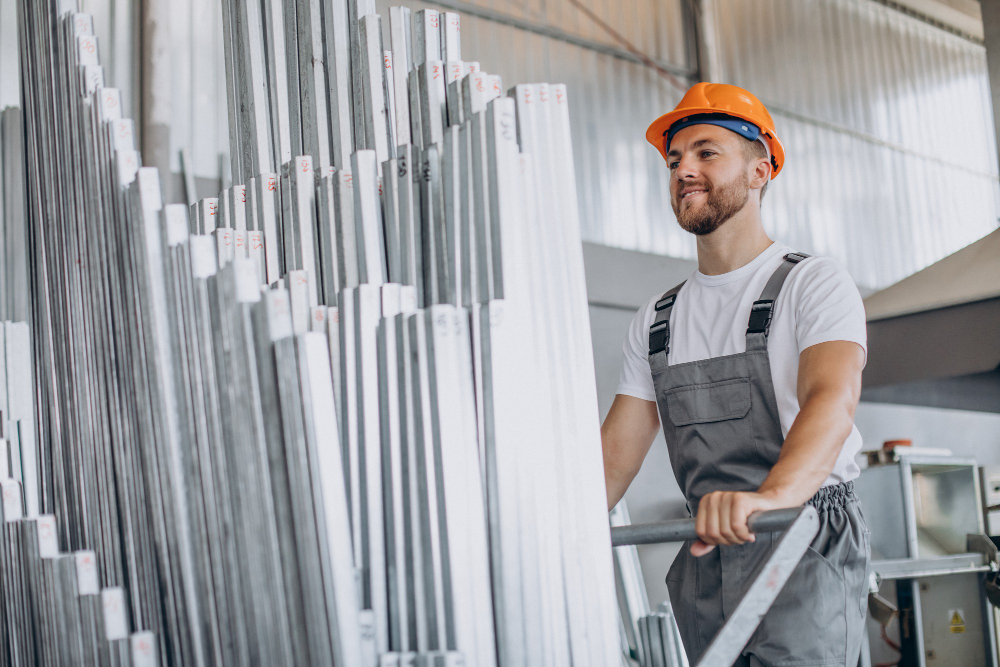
(887, 126)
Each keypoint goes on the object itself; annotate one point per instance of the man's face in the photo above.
(709, 182)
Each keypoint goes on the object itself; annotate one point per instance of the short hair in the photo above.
(755, 150)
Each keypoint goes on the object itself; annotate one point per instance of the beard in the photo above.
(721, 203)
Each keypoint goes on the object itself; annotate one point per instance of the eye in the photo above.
(673, 165)
(707, 153)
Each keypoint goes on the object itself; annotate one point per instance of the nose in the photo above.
(686, 168)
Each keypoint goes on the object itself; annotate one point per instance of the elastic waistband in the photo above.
(833, 497)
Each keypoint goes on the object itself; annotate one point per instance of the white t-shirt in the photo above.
(817, 304)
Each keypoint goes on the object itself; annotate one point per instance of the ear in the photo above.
(760, 175)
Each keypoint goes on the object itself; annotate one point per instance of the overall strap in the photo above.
(659, 331)
(760, 314)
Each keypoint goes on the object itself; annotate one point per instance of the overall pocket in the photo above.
(707, 403)
(710, 437)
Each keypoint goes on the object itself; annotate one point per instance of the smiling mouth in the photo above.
(693, 192)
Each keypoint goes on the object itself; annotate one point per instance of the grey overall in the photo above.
(720, 420)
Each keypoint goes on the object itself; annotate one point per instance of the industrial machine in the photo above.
(931, 562)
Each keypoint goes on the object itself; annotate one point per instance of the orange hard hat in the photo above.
(719, 98)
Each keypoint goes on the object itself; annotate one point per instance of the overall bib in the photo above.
(720, 420)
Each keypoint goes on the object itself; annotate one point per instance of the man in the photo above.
(753, 368)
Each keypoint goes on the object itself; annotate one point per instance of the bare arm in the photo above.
(626, 435)
(829, 387)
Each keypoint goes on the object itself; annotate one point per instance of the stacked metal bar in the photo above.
(54, 609)
(660, 640)
(345, 412)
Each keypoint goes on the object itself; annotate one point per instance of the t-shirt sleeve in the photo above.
(829, 306)
(636, 379)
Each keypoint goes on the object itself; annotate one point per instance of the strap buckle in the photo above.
(666, 302)
(659, 337)
(796, 257)
(760, 317)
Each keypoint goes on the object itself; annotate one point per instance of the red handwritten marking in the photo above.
(319, 316)
(301, 280)
(772, 578)
(388, 62)
(88, 46)
(480, 85)
(349, 179)
(560, 96)
(336, 316)
(212, 208)
(271, 186)
(111, 101)
(228, 238)
(437, 72)
(434, 20)
(380, 187)
(543, 95)
(86, 560)
(243, 194)
(144, 646)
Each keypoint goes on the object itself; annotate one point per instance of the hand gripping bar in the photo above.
(800, 525)
(683, 529)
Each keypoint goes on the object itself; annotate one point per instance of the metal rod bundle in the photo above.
(345, 412)
(54, 609)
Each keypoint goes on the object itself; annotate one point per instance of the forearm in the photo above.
(616, 477)
(626, 434)
(811, 449)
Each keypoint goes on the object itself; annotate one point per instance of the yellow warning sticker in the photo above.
(956, 620)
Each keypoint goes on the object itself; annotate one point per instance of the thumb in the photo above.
(700, 548)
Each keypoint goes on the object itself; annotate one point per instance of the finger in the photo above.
(699, 548)
(712, 534)
(725, 521)
(701, 520)
(740, 515)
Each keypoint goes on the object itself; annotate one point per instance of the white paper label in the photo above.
(48, 538)
(143, 649)
(86, 573)
(12, 510)
(115, 623)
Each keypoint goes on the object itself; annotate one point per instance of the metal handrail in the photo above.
(681, 530)
(800, 526)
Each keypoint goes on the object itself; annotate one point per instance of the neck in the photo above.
(736, 243)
